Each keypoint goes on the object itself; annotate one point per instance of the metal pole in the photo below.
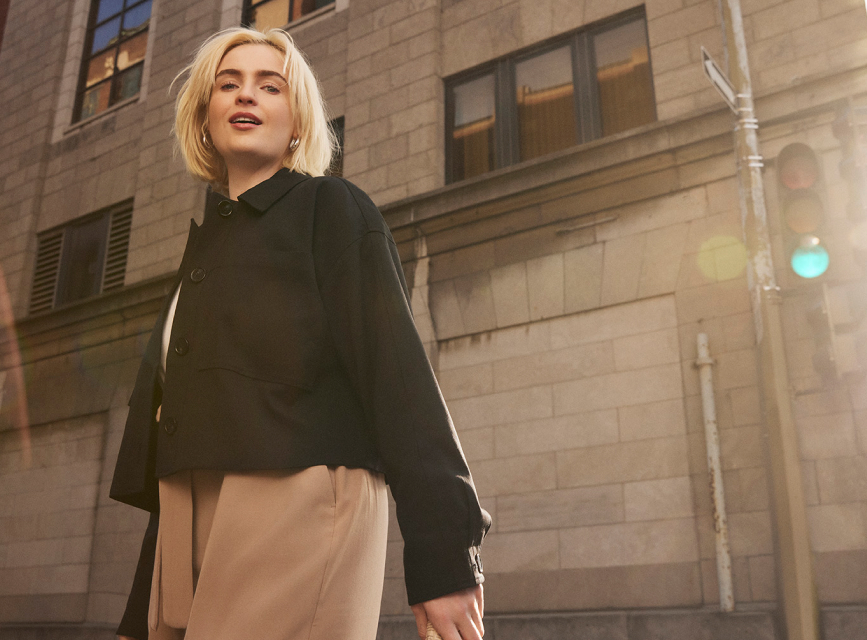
(711, 437)
(794, 565)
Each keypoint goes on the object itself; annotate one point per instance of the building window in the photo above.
(337, 125)
(82, 259)
(589, 84)
(268, 14)
(114, 54)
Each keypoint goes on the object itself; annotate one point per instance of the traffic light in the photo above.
(802, 210)
(850, 128)
(822, 329)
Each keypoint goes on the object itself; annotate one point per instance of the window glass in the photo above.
(137, 17)
(472, 142)
(277, 13)
(269, 15)
(132, 51)
(127, 84)
(83, 255)
(100, 68)
(105, 35)
(530, 105)
(623, 77)
(108, 8)
(546, 103)
(113, 69)
(95, 100)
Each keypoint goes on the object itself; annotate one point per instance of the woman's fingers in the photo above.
(420, 620)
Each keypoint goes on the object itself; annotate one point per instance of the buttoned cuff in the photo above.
(436, 572)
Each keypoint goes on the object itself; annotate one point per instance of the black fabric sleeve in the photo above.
(370, 321)
(135, 618)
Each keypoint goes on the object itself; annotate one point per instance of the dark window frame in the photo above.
(87, 57)
(249, 5)
(586, 94)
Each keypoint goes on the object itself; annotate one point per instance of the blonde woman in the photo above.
(283, 386)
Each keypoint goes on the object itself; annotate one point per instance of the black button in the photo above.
(197, 274)
(170, 425)
(182, 345)
(225, 208)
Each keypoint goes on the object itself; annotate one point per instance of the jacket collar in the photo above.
(266, 193)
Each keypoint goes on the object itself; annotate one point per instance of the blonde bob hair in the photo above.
(316, 140)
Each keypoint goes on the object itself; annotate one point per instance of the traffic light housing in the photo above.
(802, 210)
(850, 128)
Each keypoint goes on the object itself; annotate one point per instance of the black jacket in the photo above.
(293, 345)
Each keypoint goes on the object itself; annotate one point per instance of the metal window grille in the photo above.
(53, 255)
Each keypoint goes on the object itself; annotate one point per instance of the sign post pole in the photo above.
(794, 558)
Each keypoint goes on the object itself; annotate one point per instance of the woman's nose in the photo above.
(246, 95)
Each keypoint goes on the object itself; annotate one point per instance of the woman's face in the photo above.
(249, 117)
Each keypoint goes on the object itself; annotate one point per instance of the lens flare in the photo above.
(13, 395)
(722, 258)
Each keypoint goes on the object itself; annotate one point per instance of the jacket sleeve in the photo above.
(371, 325)
(135, 618)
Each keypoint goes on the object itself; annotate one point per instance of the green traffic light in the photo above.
(810, 259)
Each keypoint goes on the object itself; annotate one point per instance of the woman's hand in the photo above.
(456, 616)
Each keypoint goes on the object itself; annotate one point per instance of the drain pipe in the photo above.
(711, 436)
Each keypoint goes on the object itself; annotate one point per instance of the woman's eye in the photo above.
(228, 85)
(272, 89)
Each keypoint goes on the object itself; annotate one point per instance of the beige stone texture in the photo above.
(838, 527)
(501, 408)
(613, 322)
(621, 269)
(511, 297)
(750, 533)
(495, 345)
(653, 420)
(634, 543)
(478, 444)
(664, 499)
(520, 474)
(474, 380)
(763, 585)
(646, 350)
(641, 386)
(545, 285)
(746, 490)
(559, 509)
(842, 480)
(555, 434)
(624, 462)
(827, 436)
(475, 302)
(581, 361)
(582, 278)
(522, 551)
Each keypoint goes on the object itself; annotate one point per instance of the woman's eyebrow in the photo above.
(264, 73)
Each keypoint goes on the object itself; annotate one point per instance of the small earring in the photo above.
(294, 144)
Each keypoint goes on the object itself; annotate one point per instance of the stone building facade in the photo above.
(559, 297)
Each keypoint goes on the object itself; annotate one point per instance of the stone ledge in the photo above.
(622, 625)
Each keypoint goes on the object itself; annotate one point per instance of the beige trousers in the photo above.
(271, 555)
